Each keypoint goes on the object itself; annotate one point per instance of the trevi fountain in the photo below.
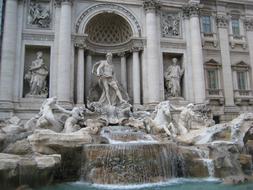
(98, 95)
(108, 142)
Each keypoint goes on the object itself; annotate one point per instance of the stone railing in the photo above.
(243, 96)
(215, 95)
(238, 40)
(209, 38)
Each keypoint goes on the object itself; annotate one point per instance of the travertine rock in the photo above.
(48, 142)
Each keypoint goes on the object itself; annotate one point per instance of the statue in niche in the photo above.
(37, 76)
(173, 77)
(39, 15)
(111, 93)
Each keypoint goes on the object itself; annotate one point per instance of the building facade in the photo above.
(50, 46)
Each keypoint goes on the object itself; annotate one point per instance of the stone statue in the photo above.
(172, 78)
(39, 15)
(111, 94)
(76, 115)
(46, 118)
(37, 76)
(162, 121)
(185, 118)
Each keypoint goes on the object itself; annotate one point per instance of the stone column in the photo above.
(54, 71)
(198, 78)
(88, 72)
(8, 58)
(222, 24)
(249, 29)
(123, 70)
(64, 91)
(80, 75)
(153, 56)
(188, 58)
(136, 76)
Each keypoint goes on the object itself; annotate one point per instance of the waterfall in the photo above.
(129, 163)
(209, 163)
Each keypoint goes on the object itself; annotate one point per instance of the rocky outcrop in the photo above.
(33, 170)
(50, 142)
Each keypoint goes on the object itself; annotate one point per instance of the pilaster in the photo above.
(222, 24)
(8, 58)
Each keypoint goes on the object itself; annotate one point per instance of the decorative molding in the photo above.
(222, 21)
(248, 22)
(124, 47)
(110, 7)
(38, 36)
(151, 5)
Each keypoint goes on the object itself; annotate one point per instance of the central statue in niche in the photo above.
(111, 94)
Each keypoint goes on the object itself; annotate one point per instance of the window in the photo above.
(235, 26)
(206, 24)
(242, 85)
(212, 79)
(242, 80)
(212, 73)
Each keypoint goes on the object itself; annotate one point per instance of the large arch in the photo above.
(94, 10)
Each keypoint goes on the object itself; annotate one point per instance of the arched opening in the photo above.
(108, 29)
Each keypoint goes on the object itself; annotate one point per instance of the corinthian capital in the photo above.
(193, 9)
(151, 5)
(59, 2)
(222, 21)
(190, 10)
(249, 24)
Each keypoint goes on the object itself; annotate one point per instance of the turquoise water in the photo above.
(177, 184)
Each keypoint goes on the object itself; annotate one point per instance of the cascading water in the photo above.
(131, 163)
(131, 158)
(204, 156)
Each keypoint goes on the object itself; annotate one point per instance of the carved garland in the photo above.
(249, 24)
(109, 7)
(222, 21)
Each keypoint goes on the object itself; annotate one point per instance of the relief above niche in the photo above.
(170, 23)
(39, 14)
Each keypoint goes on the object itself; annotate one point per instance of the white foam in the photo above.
(171, 182)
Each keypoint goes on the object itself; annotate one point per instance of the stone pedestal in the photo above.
(8, 59)
(64, 91)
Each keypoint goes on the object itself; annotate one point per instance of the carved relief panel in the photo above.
(170, 24)
(39, 14)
